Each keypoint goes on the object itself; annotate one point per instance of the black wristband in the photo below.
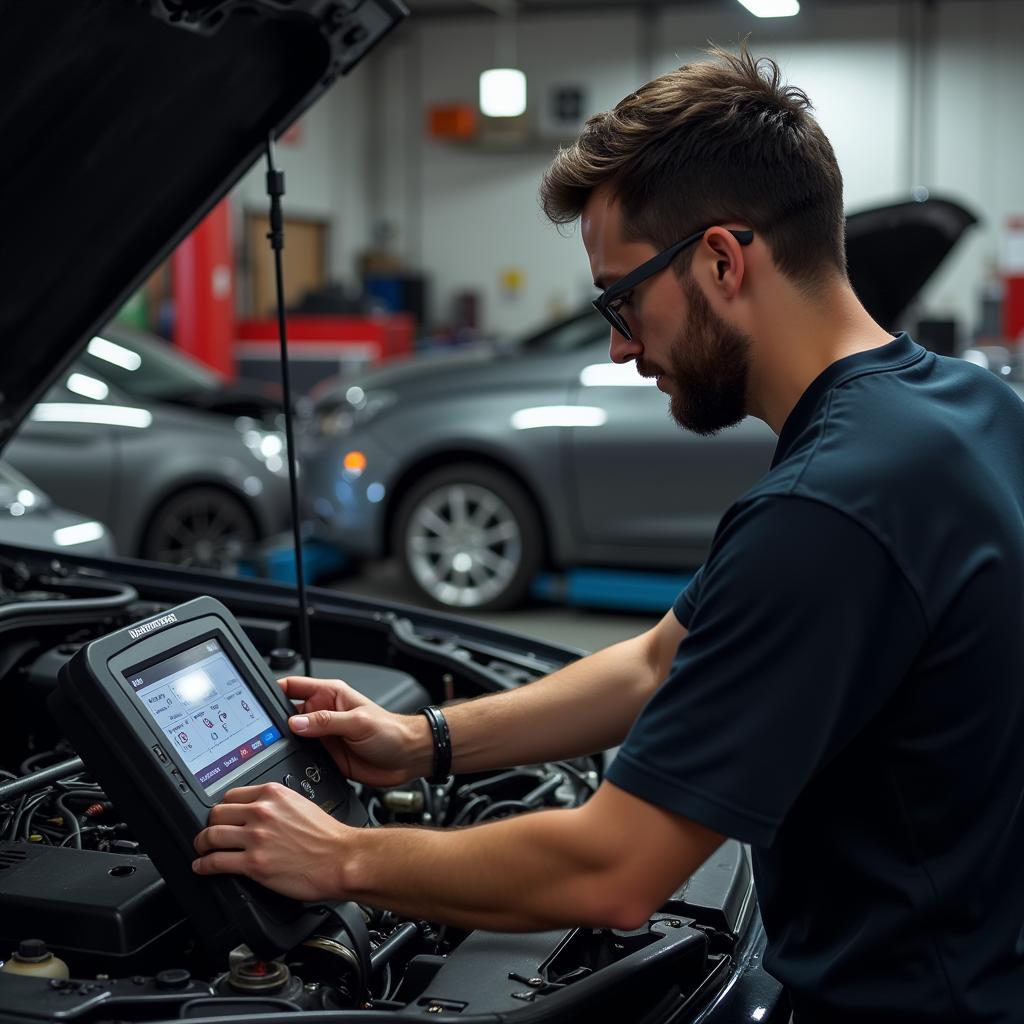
(442, 744)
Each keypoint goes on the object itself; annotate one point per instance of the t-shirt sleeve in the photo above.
(801, 627)
(688, 599)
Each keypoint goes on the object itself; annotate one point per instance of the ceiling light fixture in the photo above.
(503, 88)
(772, 8)
(502, 92)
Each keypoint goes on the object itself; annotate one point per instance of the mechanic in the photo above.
(842, 684)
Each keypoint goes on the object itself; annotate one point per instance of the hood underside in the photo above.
(123, 123)
(892, 251)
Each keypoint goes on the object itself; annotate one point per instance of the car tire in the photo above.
(202, 527)
(468, 536)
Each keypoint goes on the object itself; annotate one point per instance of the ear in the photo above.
(723, 262)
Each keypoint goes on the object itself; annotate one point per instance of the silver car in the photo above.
(478, 468)
(174, 484)
(29, 518)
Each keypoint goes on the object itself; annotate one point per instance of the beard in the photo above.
(708, 367)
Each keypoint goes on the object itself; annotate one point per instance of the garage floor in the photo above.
(584, 628)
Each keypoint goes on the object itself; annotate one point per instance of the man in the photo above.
(842, 684)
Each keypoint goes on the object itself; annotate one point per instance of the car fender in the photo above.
(479, 430)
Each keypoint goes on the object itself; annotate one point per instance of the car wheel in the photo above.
(469, 537)
(202, 527)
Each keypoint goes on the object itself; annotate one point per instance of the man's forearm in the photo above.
(583, 708)
(522, 874)
(549, 869)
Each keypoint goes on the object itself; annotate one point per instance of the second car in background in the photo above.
(174, 484)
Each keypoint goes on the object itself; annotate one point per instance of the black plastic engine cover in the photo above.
(98, 911)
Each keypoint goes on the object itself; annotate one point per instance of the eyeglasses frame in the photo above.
(648, 269)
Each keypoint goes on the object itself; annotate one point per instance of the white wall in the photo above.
(326, 172)
(465, 216)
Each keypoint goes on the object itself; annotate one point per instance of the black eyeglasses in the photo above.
(607, 302)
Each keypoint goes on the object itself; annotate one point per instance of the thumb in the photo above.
(323, 723)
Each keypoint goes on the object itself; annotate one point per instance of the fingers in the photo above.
(246, 794)
(222, 862)
(220, 837)
(348, 724)
(304, 687)
(230, 814)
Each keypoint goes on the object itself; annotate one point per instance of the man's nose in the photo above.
(622, 349)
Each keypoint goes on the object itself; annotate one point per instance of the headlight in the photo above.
(18, 504)
(267, 445)
(355, 408)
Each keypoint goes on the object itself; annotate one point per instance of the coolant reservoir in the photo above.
(33, 958)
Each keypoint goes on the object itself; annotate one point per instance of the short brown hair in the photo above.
(720, 140)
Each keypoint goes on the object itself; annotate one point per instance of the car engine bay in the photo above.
(90, 930)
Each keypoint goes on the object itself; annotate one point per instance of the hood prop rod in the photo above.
(275, 189)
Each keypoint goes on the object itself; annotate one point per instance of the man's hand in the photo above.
(276, 838)
(368, 743)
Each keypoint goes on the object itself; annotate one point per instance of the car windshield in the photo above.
(576, 331)
(145, 367)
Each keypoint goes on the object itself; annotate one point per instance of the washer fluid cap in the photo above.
(32, 951)
(34, 959)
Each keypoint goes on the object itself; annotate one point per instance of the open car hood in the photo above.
(891, 251)
(124, 123)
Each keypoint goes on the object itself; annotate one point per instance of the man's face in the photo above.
(699, 360)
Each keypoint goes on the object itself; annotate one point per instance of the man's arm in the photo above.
(583, 708)
(544, 870)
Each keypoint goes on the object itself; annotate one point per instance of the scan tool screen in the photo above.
(207, 711)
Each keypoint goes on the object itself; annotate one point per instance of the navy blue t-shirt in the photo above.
(849, 698)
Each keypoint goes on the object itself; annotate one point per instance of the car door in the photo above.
(646, 492)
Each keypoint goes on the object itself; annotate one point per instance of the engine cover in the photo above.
(98, 911)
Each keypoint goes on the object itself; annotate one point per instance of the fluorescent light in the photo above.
(113, 353)
(26, 497)
(559, 416)
(88, 387)
(80, 533)
(502, 92)
(772, 8)
(108, 415)
(614, 375)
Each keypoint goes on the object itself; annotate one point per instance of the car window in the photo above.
(144, 367)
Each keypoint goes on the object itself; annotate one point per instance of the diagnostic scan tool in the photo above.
(168, 715)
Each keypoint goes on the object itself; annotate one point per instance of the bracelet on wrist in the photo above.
(442, 740)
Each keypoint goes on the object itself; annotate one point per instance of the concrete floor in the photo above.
(585, 628)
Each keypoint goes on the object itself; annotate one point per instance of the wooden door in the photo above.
(305, 262)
